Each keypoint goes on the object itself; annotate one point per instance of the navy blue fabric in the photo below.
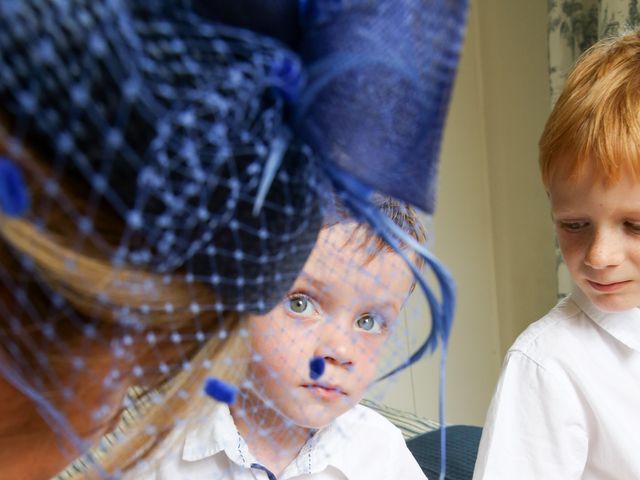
(171, 120)
(269, 473)
(209, 144)
(392, 64)
(462, 450)
(276, 18)
(379, 79)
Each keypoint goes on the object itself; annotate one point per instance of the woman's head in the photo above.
(79, 329)
(169, 190)
(142, 132)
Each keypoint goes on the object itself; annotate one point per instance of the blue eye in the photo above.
(370, 323)
(300, 304)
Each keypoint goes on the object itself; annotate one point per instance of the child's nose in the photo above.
(605, 249)
(337, 359)
(335, 344)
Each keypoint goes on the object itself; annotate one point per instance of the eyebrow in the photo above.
(322, 286)
(316, 282)
(385, 308)
(565, 214)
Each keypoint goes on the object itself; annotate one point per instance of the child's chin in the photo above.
(614, 303)
(317, 416)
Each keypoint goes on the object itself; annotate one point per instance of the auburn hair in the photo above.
(596, 121)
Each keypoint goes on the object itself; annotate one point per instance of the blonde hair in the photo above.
(182, 401)
(98, 290)
(181, 394)
(596, 121)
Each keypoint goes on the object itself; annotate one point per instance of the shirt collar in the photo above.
(217, 433)
(330, 445)
(623, 326)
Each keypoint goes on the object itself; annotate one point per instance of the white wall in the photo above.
(491, 228)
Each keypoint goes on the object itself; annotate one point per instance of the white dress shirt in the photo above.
(567, 405)
(358, 445)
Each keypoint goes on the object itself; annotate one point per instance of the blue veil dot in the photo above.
(316, 367)
(220, 390)
(14, 199)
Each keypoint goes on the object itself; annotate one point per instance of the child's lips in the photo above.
(324, 390)
(608, 287)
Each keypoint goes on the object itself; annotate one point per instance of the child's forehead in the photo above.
(572, 171)
(348, 257)
(354, 242)
(577, 165)
(346, 232)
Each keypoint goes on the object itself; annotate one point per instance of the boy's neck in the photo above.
(272, 439)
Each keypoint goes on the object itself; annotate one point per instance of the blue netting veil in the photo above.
(206, 225)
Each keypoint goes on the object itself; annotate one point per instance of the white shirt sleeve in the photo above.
(535, 426)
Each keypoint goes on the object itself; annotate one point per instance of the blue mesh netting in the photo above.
(175, 144)
(178, 179)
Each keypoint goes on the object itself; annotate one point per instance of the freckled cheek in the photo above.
(368, 361)
(272, 336)
(274, 355)
(269, 375)
(573, 249)
(282, 362)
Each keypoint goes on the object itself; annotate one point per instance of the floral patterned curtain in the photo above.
(574, 25)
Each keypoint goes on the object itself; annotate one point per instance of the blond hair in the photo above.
(596, 121)
(98, 290)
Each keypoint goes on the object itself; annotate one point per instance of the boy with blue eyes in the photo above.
(567, 403)
(286, 424)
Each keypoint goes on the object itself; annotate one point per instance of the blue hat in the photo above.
(379, 75)
(212, 130)
(179, 122)
(170, 120)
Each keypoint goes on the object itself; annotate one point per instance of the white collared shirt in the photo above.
(567, 405)
(358, 445)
